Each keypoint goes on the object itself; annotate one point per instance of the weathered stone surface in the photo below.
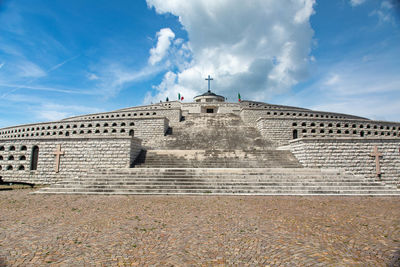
(80, 156)
(103, 140)
(352, 154)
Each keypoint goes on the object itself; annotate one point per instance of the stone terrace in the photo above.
(195, 230)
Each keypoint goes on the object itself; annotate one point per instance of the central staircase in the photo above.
(216, 159)
(213, 154)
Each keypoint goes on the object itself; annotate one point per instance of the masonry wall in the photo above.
(283, 130)
(352, 154)
(80, 155)
(251, 112)
(221, 107)
(143, 128)
(277, 131)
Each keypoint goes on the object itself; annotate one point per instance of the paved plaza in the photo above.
(78, 230)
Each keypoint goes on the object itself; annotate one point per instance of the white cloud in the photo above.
(1, 65)
(332, 80)
(256, 47)
(165, 36)
(15, 87)
(385, 13)
(364, 88)
(30, 69)
(53, 112)
(92, 77)
(356, 2)
(114, 77)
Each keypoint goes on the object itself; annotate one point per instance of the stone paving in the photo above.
(79, 230)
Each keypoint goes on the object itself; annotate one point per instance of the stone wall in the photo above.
(352, 154)
(80, 156)
(145, 128)
(277, 131)
(252, 114)
(220, 107)
(282, 130)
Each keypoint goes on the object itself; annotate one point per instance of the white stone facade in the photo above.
(351, 154)
(80, 156)
(114, 139)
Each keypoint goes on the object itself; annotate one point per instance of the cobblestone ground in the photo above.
(77, 230)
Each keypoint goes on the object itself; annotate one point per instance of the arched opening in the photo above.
(294, 134)
(362, 134)
(21, 168)
(34, 158)
(131, 133)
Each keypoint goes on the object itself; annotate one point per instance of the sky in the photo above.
(64, 58)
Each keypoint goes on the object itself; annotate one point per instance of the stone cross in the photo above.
(209, 79)
(377, 154)
(58, 153)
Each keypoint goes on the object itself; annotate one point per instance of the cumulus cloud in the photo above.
(356, 2)
(163, 43)
(259, 47)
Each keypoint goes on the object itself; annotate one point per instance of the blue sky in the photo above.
(64, 58)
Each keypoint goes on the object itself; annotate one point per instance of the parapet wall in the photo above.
(252, 114)
(352, 154)
(282, 130)
(145, 129)
(80, 155)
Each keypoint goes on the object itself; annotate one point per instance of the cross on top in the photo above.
(209, 79)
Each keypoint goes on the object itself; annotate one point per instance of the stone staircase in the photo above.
(213, 154)
(220, 181)
(216, 159)
(211, 132)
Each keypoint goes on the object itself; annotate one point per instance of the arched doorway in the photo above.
(132, 133)
(34, 158)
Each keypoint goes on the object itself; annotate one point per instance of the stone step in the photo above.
(223, 192)
(236, 183)
(259, 181)
(227, 180)
(222, 187)
(285, 171)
